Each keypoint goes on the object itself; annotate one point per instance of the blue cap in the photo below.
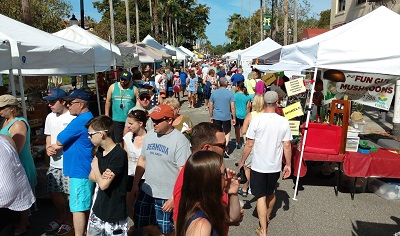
(125, 75)
(149, 85)
(55, 94)
(78, 94)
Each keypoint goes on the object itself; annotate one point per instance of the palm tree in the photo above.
(26, 13)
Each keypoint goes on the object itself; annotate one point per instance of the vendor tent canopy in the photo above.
(366, 45)
(144, 55)
(233, 55)
(261, 49)
(187, 51)
(36, 52)
(180, 55)
(106, 53)
(156, 51)
(153, 43)
(5, 55)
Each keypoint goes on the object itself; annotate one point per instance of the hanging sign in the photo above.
(294, 127)
(295, 86)
(268, 78)
(375, 90)
(293, 111)
(266, 21)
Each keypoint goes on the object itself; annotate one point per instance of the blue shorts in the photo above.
(148, 212)
(80, 194)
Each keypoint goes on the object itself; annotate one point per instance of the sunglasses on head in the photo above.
(159, 120)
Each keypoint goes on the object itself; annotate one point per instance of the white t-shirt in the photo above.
(268, 130)
(53, 126)
(133, 154)
(158, 76)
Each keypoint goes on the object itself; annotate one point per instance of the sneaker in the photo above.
(226, 155)
(65, 230)
(238, 146)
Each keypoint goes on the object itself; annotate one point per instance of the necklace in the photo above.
(121, 105)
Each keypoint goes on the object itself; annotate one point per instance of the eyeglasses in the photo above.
(159, 121)
(221, 145)
(72, 103)
(96, 132)
(2, 108)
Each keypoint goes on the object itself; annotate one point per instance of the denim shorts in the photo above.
(80, 196)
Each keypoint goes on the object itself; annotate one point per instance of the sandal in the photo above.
(65, 229)
(243, 193)
(52, 226)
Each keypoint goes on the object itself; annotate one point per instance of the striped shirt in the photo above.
(15, 192)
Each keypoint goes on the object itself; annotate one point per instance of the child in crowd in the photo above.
(109, 214)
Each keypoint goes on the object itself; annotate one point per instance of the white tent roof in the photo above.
(366, 44)
(153, 43)
(260, 49)
(233, 55)
(105, 52)
(179, 54)
(145, 56)
(187, 51)
(39, 53)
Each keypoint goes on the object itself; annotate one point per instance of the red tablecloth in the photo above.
(307, 156)
(376, 164)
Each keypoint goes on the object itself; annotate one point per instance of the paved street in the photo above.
(316, 212)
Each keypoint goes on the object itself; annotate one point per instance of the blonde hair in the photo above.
(258, 103)
(253, 75)
(173, 102)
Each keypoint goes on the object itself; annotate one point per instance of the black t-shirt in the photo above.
(110, 204)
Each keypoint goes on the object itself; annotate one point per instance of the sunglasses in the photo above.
(224, 173)
(52, 102)
(142, 97)
(159, 120)
(2, 108)
(221, 145)
(72, 103)
(96, 132)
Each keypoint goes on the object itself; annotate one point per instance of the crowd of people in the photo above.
(141, 158)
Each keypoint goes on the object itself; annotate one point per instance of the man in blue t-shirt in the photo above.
(237, 78)
(221, 106)
(183, 77)
(77, 148)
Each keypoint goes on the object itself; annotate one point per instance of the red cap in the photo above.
(162, 111)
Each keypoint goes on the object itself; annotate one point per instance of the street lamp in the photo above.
(73, 20)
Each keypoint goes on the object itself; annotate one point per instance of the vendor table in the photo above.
(382, 163)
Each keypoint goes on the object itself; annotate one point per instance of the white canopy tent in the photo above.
(260, 49)
(363, 45)
(366, 45)
(35, 52)
(153, 43)
(187, 51)
(144, 55)
(180, 55)
(106, 53)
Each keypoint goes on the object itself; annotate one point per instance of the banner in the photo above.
(295, 86)
(293, 111)
(266, 21)
(295, 127)
(268, 79)
(375, 90)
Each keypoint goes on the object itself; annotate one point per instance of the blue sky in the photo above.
(220, 12)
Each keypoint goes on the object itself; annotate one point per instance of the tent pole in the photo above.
(12, 82)
(305, 133)
(21, 87)
(97, 90)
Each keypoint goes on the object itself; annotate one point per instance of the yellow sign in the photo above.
(295, 127)
(295, 86)
(268, 79)
(293, 111)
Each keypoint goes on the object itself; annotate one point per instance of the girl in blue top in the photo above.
(243, 105)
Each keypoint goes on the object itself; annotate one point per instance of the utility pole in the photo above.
(112, 21)
(82, 15)
(285, 22)
(137, 20)
(250, 20)
(128, 22)
(272, 19)
(261, 21)
(295, 22)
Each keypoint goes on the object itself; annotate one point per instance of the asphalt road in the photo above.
(317, 210)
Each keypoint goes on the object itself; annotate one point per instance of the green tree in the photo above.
(324, 19)
(46, 15)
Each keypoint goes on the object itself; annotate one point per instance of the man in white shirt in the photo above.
(57, 182)
(16, 193)
(270, 135)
